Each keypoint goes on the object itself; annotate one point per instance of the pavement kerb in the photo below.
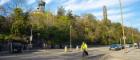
(112, 57)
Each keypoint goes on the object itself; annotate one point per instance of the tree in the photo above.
(19, 25)
(63, 24)
(55, 29)
(2, 19)
(61, 11)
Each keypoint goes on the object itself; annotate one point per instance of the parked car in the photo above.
(115, 47)
(127, 46)
(17, 47)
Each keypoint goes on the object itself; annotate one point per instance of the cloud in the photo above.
(126, 16)
(48, 1)
(117, 17)
(112, 12)
(2, 2)
(95, 7)
(136, 26)
(95, 4)
(33, 1)
(30, 1)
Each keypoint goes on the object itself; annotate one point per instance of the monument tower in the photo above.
(104, 13)
(41, 6)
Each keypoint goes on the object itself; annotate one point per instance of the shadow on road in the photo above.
(6, 53)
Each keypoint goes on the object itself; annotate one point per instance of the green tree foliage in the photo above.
(55, 29)
(19, 24)
(2, 18)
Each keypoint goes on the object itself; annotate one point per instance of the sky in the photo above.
(131, 8)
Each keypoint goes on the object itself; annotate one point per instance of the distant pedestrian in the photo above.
(84, 49)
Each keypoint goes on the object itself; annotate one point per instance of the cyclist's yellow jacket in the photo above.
(84, 46)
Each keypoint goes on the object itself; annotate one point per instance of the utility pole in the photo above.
(123, 34)
(132, 36)
(120, 41)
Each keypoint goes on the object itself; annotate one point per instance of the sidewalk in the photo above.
(35, 51)
(40, 51)
(132, 54)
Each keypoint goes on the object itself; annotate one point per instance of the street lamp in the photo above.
(31, 37)
(70, 37)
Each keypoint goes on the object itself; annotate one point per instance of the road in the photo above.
(57, 54)
(96, 53)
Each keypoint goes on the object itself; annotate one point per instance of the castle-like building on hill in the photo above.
(38, 42)
(41, 7)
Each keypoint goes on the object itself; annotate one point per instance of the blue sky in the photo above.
(131, 9)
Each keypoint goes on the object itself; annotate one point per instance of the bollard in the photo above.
(77, 48)
(65, 49)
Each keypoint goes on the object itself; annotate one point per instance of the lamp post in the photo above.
(31, 37)
(70, 37)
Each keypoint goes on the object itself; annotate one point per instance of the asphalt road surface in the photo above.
(56, 54)
(95, 53)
